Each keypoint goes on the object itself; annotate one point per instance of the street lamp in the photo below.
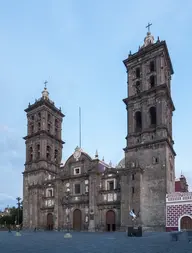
(67, 210)
(18, 203)
(68, 235)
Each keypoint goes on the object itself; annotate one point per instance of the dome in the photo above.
(121, 164)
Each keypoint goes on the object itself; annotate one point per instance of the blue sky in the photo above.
(78, 46)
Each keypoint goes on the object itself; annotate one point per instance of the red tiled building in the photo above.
(181, 184)
(178, 211)
(179, 207)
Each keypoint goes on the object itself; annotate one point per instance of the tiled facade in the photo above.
(178, 205)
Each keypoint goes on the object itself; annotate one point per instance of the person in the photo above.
(9, 229)
(35, 229)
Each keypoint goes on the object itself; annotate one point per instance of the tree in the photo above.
(12, 217)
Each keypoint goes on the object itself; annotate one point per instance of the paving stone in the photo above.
(54, 242)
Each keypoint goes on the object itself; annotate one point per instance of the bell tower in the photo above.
(149, 153)
(43, 154)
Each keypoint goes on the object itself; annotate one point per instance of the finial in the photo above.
(130, 53)
(110, 164)
(148, 27)
(139, 47)
(158, 40)
(149, 39)
(96, 154)
(103, 159)
(45, 93)
(45, 84)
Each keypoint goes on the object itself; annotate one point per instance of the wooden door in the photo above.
(50, 221)
(77, 220)
(186, 223)
(110, 221)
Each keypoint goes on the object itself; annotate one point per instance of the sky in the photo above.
(79, 46)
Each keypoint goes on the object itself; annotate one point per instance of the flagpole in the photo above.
(80, 127)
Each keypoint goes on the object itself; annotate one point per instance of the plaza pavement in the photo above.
(84, 242)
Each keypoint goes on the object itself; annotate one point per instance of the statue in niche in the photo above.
(91, 215)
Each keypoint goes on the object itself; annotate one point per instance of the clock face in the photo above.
(67, 184)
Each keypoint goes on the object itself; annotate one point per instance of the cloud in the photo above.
(4, 196)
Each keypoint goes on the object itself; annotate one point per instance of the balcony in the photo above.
(81, 199)
(113, 198)
(48, 203)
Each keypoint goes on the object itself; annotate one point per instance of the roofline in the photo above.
(147, 49)
(46, 103)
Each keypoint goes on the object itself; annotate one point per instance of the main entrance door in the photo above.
(50, 221)
(77, 220)
(110, 221)
(186, 223)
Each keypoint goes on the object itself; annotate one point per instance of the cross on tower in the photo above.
(148, 26)
(46, 83)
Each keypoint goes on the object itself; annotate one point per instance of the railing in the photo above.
(109, 198)
(179, 196)
(84, 199)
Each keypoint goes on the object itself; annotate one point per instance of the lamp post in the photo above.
(68, 235)
(68, 206)
(18, 203)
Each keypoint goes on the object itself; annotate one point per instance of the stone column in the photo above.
(92, 204)
(56, 204)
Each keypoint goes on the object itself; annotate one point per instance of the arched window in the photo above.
(39, 115)
(38, 151)
(153, 116)
(137, 72)
(138, 87)
(48, 153)
(56, 155)
(48, 127)
(138, 122)
(152, 66)
(30, 154)
(152, 81)
(39, 126)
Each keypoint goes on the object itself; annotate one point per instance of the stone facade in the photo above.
(149, 152)
(178, 207)
(86, 193)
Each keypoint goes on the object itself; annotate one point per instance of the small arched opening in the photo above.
(152, 66)
(138, 122)
(153, 116)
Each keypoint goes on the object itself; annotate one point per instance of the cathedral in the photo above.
(85, 193)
